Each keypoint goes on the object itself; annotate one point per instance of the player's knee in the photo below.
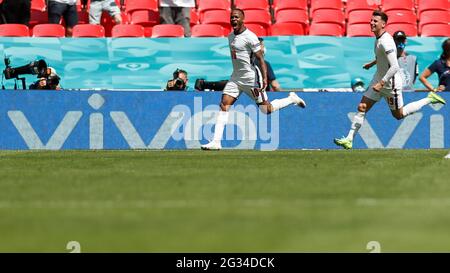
(266, 108)
(397, 115)
(362, 107)
(224, 107)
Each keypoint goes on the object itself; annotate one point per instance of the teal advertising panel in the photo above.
(144, 63)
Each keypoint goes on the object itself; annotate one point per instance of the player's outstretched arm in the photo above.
(368, 65)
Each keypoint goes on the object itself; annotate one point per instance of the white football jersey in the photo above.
(243, 48)
(385, 45)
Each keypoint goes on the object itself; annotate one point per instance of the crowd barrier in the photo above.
(138, 63)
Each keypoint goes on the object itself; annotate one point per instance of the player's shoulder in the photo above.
(386, 38)
(250, 34)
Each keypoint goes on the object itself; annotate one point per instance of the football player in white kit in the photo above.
(246, 77)
(387, 82)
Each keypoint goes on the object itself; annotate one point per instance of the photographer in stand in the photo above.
(48, 81)
(179, 81)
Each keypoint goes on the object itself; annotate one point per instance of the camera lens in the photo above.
(179, 82)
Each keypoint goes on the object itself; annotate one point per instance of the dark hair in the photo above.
(380, 13)
(239, 10)
(446, 49)
(177, 72)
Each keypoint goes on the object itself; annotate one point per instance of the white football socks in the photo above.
(358, 120)
(281, 103)
(222, 119)
(413, 107)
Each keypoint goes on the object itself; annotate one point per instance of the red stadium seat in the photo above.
(257, 29)
(208, 30)
(217, 17)
(123, 30)
(260, 17)
(133, 5)
(289, 4)
(425, 5)
(148, 31)
(360, 17)
(359, 30)
(88, 31)
(325, 4)
(286, 29)
(49, 30)
(195, 19)
(293, 16)
(436, 30)
(329, 16)
(401, 16)
(410, 30)
(253, 4)
(359, 5)
(108, 23)
(145, 18)
(83, 17)
(433, 17)
(38, 5)
(167, 30)
(388, 5)
(325, 29)
(206, 5)
(14, 30)
(38, 17)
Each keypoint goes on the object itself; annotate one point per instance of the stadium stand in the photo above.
(433, 17)
(208, 30)
(325, 4)
(351, 15)
(14, 30)
(360, 17)
(279, 5)
(402, 16)
(48, 30)
(195, 19)
(122, 30)
(388, 5)
(257, 29)
(206, 5)
(425, 5)
(38, 5)
(359, 5)
(88, 31)
(293, 16)
(218, 17)
(286, 29)
(436, 30)
(334, 16)
(326, 29)
(38, 17)
(252, 5)
(410, 30)
(359, 30)
(167, 30)
(260, 17)
(145, 18)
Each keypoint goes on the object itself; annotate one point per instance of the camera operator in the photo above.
(179, 81)
(48, 81)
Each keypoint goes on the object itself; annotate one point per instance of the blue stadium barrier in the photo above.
(183, 120)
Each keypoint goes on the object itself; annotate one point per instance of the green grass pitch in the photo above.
(226, 201)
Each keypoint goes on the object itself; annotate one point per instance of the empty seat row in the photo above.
(93, 31)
